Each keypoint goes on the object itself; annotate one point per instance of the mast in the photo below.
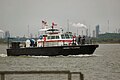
(108, 26)
(77, 31)
(67, 25)
(28, 31)
(89, 31)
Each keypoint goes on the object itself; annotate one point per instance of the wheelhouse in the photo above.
(54, 38)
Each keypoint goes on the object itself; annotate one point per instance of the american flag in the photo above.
(53, 24)
(44, 23)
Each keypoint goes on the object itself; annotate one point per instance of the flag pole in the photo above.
(68, 25)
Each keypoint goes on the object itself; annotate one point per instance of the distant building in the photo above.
(31, 35)
(1, 34)
(93, 33)
(86, 32)
(97, 30)
(119, 31)
(110, 36)
(7, 34)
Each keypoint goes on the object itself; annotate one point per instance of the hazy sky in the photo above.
(16, 15)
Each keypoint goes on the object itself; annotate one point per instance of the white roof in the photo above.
(46, 29)
(43, 29)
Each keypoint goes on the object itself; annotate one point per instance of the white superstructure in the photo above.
(53, 37)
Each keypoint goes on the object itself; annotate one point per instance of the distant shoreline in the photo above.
(94, 41)
(106, 43)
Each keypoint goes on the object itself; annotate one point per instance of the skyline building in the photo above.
(97, 30)
(86, 32)
(1, 34)
(93, 33)
(118, 30)
(7, 34)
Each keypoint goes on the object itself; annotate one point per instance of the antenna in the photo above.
(89, 31)
(108, 26)
(28, 31)
(68, 25)
(77, 31)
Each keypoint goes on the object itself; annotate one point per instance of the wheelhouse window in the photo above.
(48, 37)
(52, 37)
(71, 36)
(57, 37)
(62, 36)
(66, 36)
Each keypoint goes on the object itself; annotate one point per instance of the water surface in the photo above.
(103, 65)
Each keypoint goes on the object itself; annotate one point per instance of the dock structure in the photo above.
(65, 72)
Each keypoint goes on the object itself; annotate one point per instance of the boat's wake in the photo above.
(41, 56)
(93, 55)
(71, 56)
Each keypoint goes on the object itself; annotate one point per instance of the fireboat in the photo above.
(52, 42)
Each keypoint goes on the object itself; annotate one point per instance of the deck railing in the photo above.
(69, 77)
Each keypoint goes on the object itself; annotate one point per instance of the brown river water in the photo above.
(104, 64)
